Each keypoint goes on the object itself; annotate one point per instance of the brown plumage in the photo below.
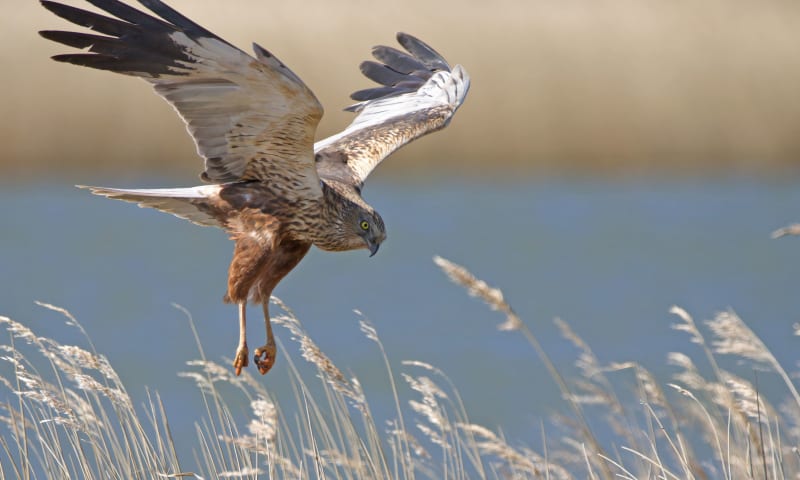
(253, 120)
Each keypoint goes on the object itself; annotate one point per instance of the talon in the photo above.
(241, 359)
(265, 358)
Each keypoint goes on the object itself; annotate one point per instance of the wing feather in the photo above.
(422, 51)
(381, 73)
(186, 203)
(251, 117)
(397, 60)
(420, 94)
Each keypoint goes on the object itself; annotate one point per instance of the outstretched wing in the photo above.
(251, 118)
(420, 94)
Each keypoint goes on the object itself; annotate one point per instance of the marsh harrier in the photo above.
(273, 189)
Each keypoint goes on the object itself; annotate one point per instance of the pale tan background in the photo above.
(626, 86)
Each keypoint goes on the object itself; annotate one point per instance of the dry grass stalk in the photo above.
(731, 337)
(520, 463)
(748, 401)
(793, 229)
(314, 355)
(416, 447)
(251, 472)
(687, 325)
(689, 375)
(493, 297)
(594, 387)
(78, 420)
(438, 425)
(734, 337)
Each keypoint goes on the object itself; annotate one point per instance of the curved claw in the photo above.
(242, 359)
(265, 358)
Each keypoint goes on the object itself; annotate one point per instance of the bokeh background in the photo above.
(577, 86)
(613, 158)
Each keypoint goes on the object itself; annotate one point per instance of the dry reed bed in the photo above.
(599, 85)
(75, 419)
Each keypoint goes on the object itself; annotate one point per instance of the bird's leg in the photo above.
(242, 353)
(265, 355)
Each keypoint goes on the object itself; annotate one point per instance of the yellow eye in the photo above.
(364, 225)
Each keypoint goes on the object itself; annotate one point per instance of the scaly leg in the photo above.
(265, 355)
(242, 353)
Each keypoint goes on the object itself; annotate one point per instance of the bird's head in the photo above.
(352, 224)
(370, 229)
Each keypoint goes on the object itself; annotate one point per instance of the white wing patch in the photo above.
(385, 124)
(442, 89)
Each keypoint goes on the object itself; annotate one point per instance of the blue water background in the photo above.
(610, 257)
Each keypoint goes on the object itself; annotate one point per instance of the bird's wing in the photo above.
(251, 117)
(420, 94)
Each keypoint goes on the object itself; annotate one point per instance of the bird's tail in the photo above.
(187, 203)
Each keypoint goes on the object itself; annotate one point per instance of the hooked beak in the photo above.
(373, 248)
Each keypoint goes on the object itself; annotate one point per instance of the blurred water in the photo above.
(609, 257)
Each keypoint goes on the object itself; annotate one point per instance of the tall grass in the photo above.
(71, 416)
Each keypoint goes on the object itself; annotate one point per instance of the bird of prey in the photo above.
(268, 185)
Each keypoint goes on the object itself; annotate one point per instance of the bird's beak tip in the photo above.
(373, 249)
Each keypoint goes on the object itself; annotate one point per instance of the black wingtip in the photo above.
(398, 60)
(53, 35)
(82, 59)
(380, 73)
(71, 39)
(62, 57)
(177, 18)
(406, 39)
(403, 36)
(423, 52)
(59, 8)
(50, 5)
(398, 72)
